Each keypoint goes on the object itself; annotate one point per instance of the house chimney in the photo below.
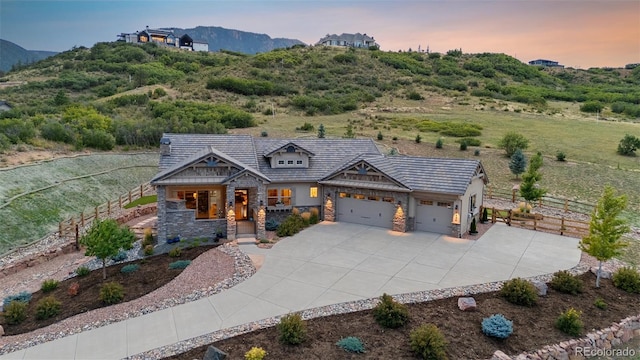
(165, 146)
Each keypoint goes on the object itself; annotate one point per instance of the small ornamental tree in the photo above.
(512, 141)
(606, 229)
(518, 163)
(106, 239)
(529, 188)
(321, 131)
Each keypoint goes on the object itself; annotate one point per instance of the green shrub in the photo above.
(148, 250)
(15, 312)
(130, 268)
(82, 271)
(627, 279)
(418, 139)
(175, 252)
(47, 307)
(98, 139)
(591, 106)
(315, 216)
(513, 141)
(564, 282)
(49, 285)
(380, 136)
(264, 133)
(497, 326)
(569, 322)
(520, 292)
(22, 296)
(628, 145)
(414, 95)
(470, 141)
(255, 353)
(428, 342)
(148, 237)
(55, 131)
(180, 264)
(463, 146)
(439, 143)
(271, 224)
(111, 293)
(600, 304)
(290, 226)
(351, 344)
(390, 313)
(306, 127)
(476, 152)
(292, 329)
(121, 256)
(561, 156)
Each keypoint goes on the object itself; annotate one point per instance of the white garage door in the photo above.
(372, 210)
(434, 216)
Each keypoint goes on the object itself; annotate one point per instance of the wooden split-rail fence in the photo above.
(74, 227)
(534, 221)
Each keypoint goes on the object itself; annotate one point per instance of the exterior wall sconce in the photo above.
(230, 203)
(456, 216)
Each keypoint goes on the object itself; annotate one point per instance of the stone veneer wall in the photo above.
(575, 349)
(180, 221)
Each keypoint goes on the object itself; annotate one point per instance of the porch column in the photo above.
(400, 217)
(261, 233)
(329, 209)
(231, 221)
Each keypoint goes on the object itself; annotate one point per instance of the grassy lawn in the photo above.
(142, 201)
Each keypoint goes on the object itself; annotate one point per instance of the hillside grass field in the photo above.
(74, 185)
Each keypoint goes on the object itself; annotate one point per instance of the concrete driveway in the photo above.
(326, 264)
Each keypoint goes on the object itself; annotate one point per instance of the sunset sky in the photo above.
(576, 33)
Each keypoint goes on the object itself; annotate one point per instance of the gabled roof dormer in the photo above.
(288, 155)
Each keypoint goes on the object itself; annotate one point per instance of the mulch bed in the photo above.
(533, 327)
(153, 273)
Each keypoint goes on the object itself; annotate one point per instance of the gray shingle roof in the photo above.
(411, 173)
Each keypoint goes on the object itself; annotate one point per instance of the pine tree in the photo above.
(518, 163)
(321, 131)
(606, 229)
(529, 188)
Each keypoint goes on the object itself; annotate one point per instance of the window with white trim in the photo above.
(313, 191)
(279, 197)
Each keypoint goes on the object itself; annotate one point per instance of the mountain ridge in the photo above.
(13, 54)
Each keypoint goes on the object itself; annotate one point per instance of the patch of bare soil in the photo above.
(533, 327)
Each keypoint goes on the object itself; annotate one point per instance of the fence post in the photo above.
(120, 202)
(129, 196)
(82, 219)
(73, 224)
(60, 228)
(535, 222)
(108, 208)
(97, 214)
(141, 190)
(562, 226)
(77, 238)
(566, 205)
(493, 215)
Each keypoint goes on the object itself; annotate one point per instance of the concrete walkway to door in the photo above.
(326, 264)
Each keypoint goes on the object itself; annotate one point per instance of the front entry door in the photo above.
(242, 204)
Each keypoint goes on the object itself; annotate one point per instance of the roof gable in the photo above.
(362, 171)
(286, 146)
(205, 166)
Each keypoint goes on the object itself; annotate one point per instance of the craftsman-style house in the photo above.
(209, 184)
(348, 40)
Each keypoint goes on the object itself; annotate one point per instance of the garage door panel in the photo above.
(433, 218)
(365, 212)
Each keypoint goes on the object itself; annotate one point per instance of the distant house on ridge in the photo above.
(164, 37)
(348, 40)
(545, 63)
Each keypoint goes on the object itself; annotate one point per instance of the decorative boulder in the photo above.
(541, 286)
(213, 353)
(604, 274)
(467, 304)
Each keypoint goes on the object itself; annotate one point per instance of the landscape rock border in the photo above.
(616, 334)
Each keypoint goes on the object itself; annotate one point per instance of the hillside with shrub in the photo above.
(128, 94)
